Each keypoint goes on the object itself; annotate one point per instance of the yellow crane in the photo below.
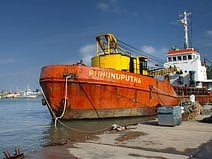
(109, 54)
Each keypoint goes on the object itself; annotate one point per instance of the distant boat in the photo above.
(11, 95)
(28, 94)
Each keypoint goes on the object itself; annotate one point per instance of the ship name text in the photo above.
(114, 76)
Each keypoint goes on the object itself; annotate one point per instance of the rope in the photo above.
(153, 59)
(65, 102)
(83, 131)
(64, 107)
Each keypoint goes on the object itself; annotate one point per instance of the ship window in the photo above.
(189, 57)
(197, 57)
(193, 56)
(169, 59)
(179, 58)
(174, 59)
(184, 58)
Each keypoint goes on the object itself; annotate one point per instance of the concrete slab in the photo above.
(149, 140)
(97, 151)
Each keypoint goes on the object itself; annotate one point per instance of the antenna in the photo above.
(191, 32)
(183, 19)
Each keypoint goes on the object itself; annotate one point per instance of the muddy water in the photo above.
(78, 130)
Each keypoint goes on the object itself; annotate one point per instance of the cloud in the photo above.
(87, 52)
(149, 49)
(102, 6)
(109, 5)
(154, 51)
(155, 55)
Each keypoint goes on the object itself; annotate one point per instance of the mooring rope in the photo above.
(65, 102)
(83, 131)
(64, 107)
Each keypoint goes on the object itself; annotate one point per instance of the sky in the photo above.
(36, 33)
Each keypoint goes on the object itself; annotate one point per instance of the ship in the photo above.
(117, 84)
(193, 79)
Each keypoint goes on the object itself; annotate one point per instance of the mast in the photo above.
(183, 19)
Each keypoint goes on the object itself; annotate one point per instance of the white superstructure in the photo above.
(188, 60)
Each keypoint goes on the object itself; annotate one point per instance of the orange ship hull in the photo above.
(82, 92)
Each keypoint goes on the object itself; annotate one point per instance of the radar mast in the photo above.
(183, 19)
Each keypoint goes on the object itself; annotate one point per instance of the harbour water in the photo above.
(26, 124)
(23, 123)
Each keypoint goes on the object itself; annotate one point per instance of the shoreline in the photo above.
(191, 139)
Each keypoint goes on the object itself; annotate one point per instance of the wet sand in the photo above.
(191, 139)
